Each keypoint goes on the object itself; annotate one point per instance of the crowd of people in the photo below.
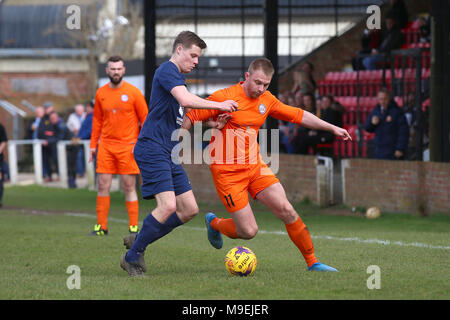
(49, 126)
(296, 139)
(393, 127)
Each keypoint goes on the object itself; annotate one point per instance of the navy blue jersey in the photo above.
(165, 113)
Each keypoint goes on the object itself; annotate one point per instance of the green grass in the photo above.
(41, 238)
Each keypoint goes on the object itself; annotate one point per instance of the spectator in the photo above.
(411, 112)
(391, 38)
(398, 11)
(288, 130)
(75, 119)
(301, 132)
(331, 112)
(32, 129)
(369, 41)
(424, 29)
(3, 142)
(46, 131)
(74, 124)
(391, 129)
(86, 126)
(308, 67)
(303, 80)
(62, 132)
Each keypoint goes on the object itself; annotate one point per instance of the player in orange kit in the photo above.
(120, 109)
(237, 168)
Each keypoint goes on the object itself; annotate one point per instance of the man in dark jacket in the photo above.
(330, 111)
(388, 122)
(46, 132)
(391, 38)
(62, 132)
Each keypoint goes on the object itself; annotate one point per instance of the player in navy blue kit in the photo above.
(161, 178)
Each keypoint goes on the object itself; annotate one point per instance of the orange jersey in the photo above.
(117, 114)
(237, 141)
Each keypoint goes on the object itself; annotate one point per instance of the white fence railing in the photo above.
(37, 161)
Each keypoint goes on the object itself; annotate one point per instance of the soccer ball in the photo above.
(240, 261)
(373, 213)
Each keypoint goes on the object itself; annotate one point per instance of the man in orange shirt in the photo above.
(120, 109)
(237, 168)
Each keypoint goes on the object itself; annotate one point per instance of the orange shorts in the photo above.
(233, 182)
(116, 159)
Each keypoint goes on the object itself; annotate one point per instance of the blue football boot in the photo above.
(319, 266)
(214, 237)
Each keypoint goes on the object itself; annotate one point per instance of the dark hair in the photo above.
(385, 90)
(263, 64)
(329, 96)
(311, 66)
(313, 100)
(115, 59)
(187, 39)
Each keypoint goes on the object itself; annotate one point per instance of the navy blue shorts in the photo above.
(158, 171)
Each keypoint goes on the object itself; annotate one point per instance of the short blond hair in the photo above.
(262, 64)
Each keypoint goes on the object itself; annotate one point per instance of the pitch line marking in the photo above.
(283, 233)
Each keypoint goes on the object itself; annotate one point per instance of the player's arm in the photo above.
(190, 100)
(212, 118)
(141, 108)
(312, 122)
(284, 112)
(97, 121)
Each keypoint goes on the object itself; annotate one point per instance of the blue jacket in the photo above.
(391, 133)
(86, 127)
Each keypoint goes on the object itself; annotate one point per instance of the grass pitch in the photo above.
(43, 232)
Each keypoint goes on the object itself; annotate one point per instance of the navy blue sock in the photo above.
(151, 231)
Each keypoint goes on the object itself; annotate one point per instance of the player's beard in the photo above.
(116, 80)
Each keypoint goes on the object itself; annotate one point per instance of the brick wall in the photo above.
(397, 186)
(296, 173)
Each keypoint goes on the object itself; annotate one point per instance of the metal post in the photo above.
(12, 162)
(90, 170)
(62, 162)
(440, 82)
(150, 45)
(243, 66)
(336, 18)
(271, 52)
(37, 161)
(418, 105)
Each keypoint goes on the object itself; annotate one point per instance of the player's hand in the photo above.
(222, 120)
(398, 154)
(91, 154)
(375, 120)
(340, 132)
(228, 106)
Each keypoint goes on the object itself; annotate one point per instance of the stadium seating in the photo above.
(347, 86)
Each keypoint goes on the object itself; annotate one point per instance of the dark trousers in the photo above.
(49, 158)
(304, 142)
(2, 179)
(72, 157)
